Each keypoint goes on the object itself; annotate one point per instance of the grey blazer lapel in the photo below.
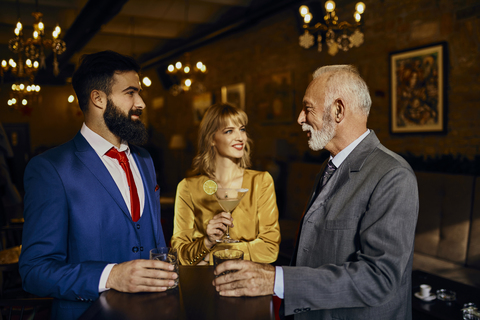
(338, 179)
(315, 185)
(353, 163)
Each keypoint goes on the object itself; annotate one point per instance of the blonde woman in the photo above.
(224, 157)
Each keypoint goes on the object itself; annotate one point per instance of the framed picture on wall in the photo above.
(234, 94)
(417, 89)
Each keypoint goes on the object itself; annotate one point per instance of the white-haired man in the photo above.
(353, 257)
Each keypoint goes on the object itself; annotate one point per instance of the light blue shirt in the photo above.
(278, 288)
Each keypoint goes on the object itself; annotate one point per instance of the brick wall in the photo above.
(270, 47)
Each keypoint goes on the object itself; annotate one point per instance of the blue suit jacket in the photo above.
(76, 222)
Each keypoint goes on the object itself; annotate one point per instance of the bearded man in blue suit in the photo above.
(85, 231)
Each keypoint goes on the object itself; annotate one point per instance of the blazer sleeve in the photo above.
(43, 261)
(186, 239)
(371, 275)
(265, 247)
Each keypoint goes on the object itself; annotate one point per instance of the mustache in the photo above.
(307, 127)
(136, 112)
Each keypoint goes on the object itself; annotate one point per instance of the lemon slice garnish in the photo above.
(210, 187)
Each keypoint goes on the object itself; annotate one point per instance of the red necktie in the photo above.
(123, 160)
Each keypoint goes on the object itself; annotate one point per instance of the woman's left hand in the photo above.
(217, 227)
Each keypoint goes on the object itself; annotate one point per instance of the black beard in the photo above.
(132, 131)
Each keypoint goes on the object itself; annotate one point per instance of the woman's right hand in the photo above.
(217, 227)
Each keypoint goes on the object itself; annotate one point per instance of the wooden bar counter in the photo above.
(194, 298)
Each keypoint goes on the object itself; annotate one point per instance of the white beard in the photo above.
(320, 138)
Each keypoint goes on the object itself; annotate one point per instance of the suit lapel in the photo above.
(142, 168)
(307, 208)
(94, 164)
(315, 186)
(148, 186)
(338, 179)
(353, 163)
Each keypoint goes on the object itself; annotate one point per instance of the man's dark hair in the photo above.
(96, 72)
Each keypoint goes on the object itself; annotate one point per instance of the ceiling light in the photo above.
(337, 35)
(185, 77)
(30, 58)
(147, 82)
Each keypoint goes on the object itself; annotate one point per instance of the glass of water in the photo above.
(169, 255)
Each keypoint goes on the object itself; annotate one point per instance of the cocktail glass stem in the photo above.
(227, 234)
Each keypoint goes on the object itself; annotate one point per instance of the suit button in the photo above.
(138, 226)
(305, 250)
(141, 248)
(135, 249)
(306, 309)
(297, 310)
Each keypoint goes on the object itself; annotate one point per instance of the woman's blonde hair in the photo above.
(217, 118)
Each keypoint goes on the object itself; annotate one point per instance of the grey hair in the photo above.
(345, 82)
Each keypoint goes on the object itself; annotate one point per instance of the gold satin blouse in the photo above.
(255, 220)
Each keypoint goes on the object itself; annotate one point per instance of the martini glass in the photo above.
(228, 200)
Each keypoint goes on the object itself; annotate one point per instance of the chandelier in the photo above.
(30, 58)
(185, 77)
(336, 35)
(23, 96)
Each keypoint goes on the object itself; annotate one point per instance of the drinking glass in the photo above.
(169, 255)
(446, 295)
(470, 311)
(221, 256)
(229, 200)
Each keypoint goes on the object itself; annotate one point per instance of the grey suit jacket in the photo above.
(355, 248)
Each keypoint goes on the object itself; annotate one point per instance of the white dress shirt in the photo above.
(278, 288)
(101, 146)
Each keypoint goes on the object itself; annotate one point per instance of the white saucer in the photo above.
(429, 298)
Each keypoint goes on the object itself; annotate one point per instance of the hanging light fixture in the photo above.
(185, 77)
(30, 58)
(34, 48)
(22, 97)
(337, 35)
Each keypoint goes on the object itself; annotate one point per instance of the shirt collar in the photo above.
(99, 144)
(342, 155)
